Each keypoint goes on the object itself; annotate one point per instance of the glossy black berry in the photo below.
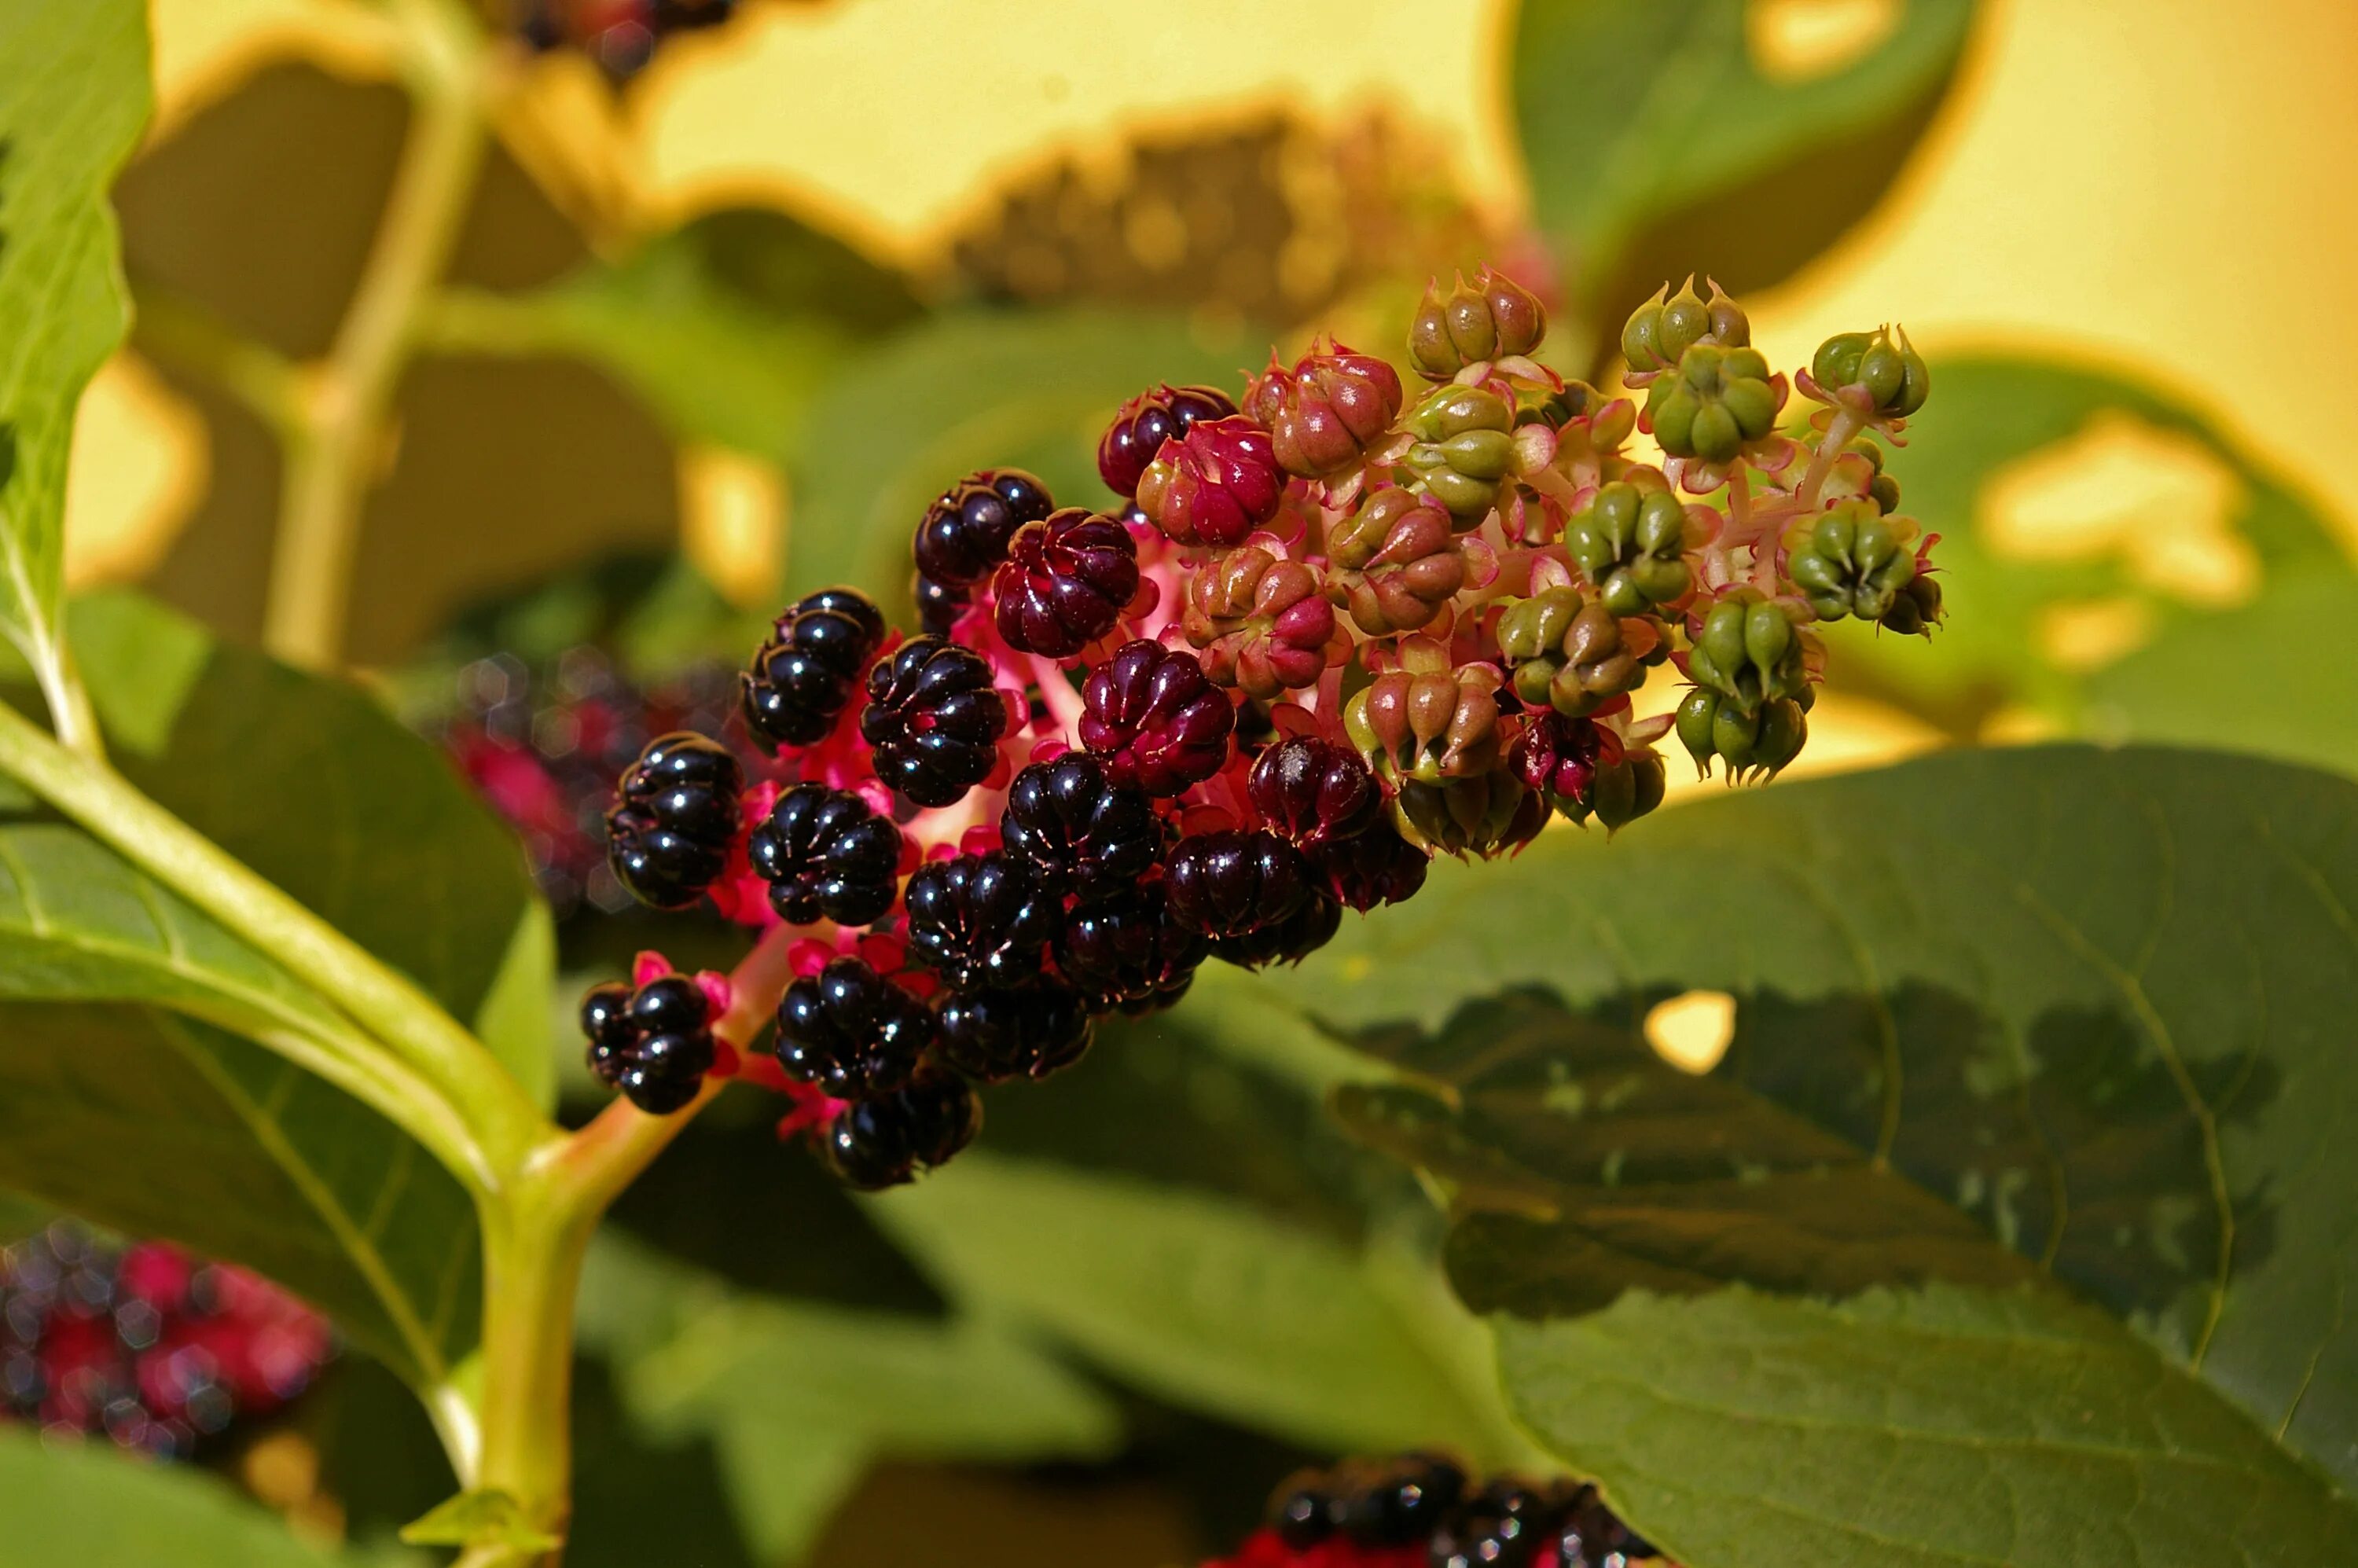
(1311, 927)
(801, 680)
(965, 531)
(1064, 583)
(669, 833)
(998, 1033)
(605, 1013)
(884, 1142)
(666, 1071)
(1304, 1511)
(655, 1044)
(850, 1032)
(1233, 883)
(933, 720)
(1588, 1534)
(1402, 1503)
(1127, 953)
(1087, 836)
(938, 605)
(984, 919)
(1501, 1526)
(1147, 421)
(825, 855)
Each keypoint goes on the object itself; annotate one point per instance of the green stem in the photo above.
(343, 431)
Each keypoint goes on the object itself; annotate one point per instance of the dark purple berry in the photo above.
(984, 919)
(1155, 720)
(1312, 792)
(998, 1033)
(850, 1032)
(1375, 867)
(1304, 1511)
(1064, 583)
(1089, 837)
(1232, 883)
(965, 531)
(938, 607)
(933, 720)
(881, 1143)
(669, 1004)
(825, 854)
(605, 1014)
(1127, 953)
(804, 676)
(669, 834)
(1147, 421)
(1589, 1535)
(1311, 927)
(655, 1044)
(1403, 1503)
(1498, 1526)
(665, 1071)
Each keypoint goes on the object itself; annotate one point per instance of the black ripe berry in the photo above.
(850, 1032)
(1127, 953)
(655, 1044)
(825, 855)
(1146, 422)
(998, 1033)
(965, 531)
(1233, 883)
(1498, 1526)
(1375, 866)
(1402, 1503)
(668, 835)
(804, 676)
(1311, 927)
(1087, 836)
(933, 720)
(1306, 1510)
(884, 1142)
(938, 605)
(982, 919)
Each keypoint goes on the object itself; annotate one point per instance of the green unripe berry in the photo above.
(1452, 410)
(1674, 418)
(1882, 372)
(1714, 436)
(1768, 634)
(1723, 636)
(1661, 524)
(1535, 628)
(1735, 735)
(1752, 402)
(1783, 732)
(1627, 790)
(1481, 454)
(1836, 362)
(1697, 710)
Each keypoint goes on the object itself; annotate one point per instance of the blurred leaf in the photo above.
(67, 122)
(2058, 1016)
(798, 1398)
(312, 784)
(85, 1503)
(477, 1519)
(1657, 145)
(727, 326)
(2250, 677)
(960, 392)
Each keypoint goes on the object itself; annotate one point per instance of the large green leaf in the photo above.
(87, 1504)
(2012, 1029)
(314, 785)
(1657, 146)
(961, 392)
(2249, 678)
(71, 104)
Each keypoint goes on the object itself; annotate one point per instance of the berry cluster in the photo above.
(158, 1351)
(1426, 1511)
(619, 35)
(653, 1040)
(1325, 631)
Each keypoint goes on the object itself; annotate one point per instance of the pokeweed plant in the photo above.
(1331, 640)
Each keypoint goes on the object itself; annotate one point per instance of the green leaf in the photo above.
(479, 1519)
(2253, 677)
(2011, 1028)
(315, 787)
(726, 326)
(1658, 146)
(70, 113)
(88, 1503)
(961, 392)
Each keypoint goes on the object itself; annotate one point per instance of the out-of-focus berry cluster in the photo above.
(620, 37)
(160, 1351)
(1426, 1511)
(1325, 630)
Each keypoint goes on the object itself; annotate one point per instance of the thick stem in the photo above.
(342, 432)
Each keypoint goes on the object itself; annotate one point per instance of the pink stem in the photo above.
(1064, 699)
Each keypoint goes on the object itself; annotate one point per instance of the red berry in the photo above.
(1215, 486)
(1312, 792)
(1147, 421)
(1155, 720)
(1065, 582)
(1326, 412)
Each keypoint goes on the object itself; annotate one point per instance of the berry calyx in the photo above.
(1215, 485)
(1154, 720)
(984, 919)
(965, 532)
(884, 1142)
(933, 720)
(1129, 954)
(825, 855)
(993, 1034)
(804, 676)
(1232, 882)
(849, 1033)
(1065, 582)
(1081, 830)
(1145, 422)
(669, 833)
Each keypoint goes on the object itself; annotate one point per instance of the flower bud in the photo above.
(1492, 318)
(1215, 485)
(1325, 413)
(1660, 332)
(1264, 624)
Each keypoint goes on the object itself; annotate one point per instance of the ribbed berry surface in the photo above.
(1064, 583)
(1232, 883)
(1314, 792)
(654, 1045)
(965, 531)
(825, 855)
(998, 1033)
(1422, 1509)
(881, 1143)
(1088, 837)
(801, 680)
(1155, 720)
(1311, 926)
(984, 919)
(1146, 422)
(933, 720)
(669, 836)
(850, 1032)
(1127, 953)
(1375, 867)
